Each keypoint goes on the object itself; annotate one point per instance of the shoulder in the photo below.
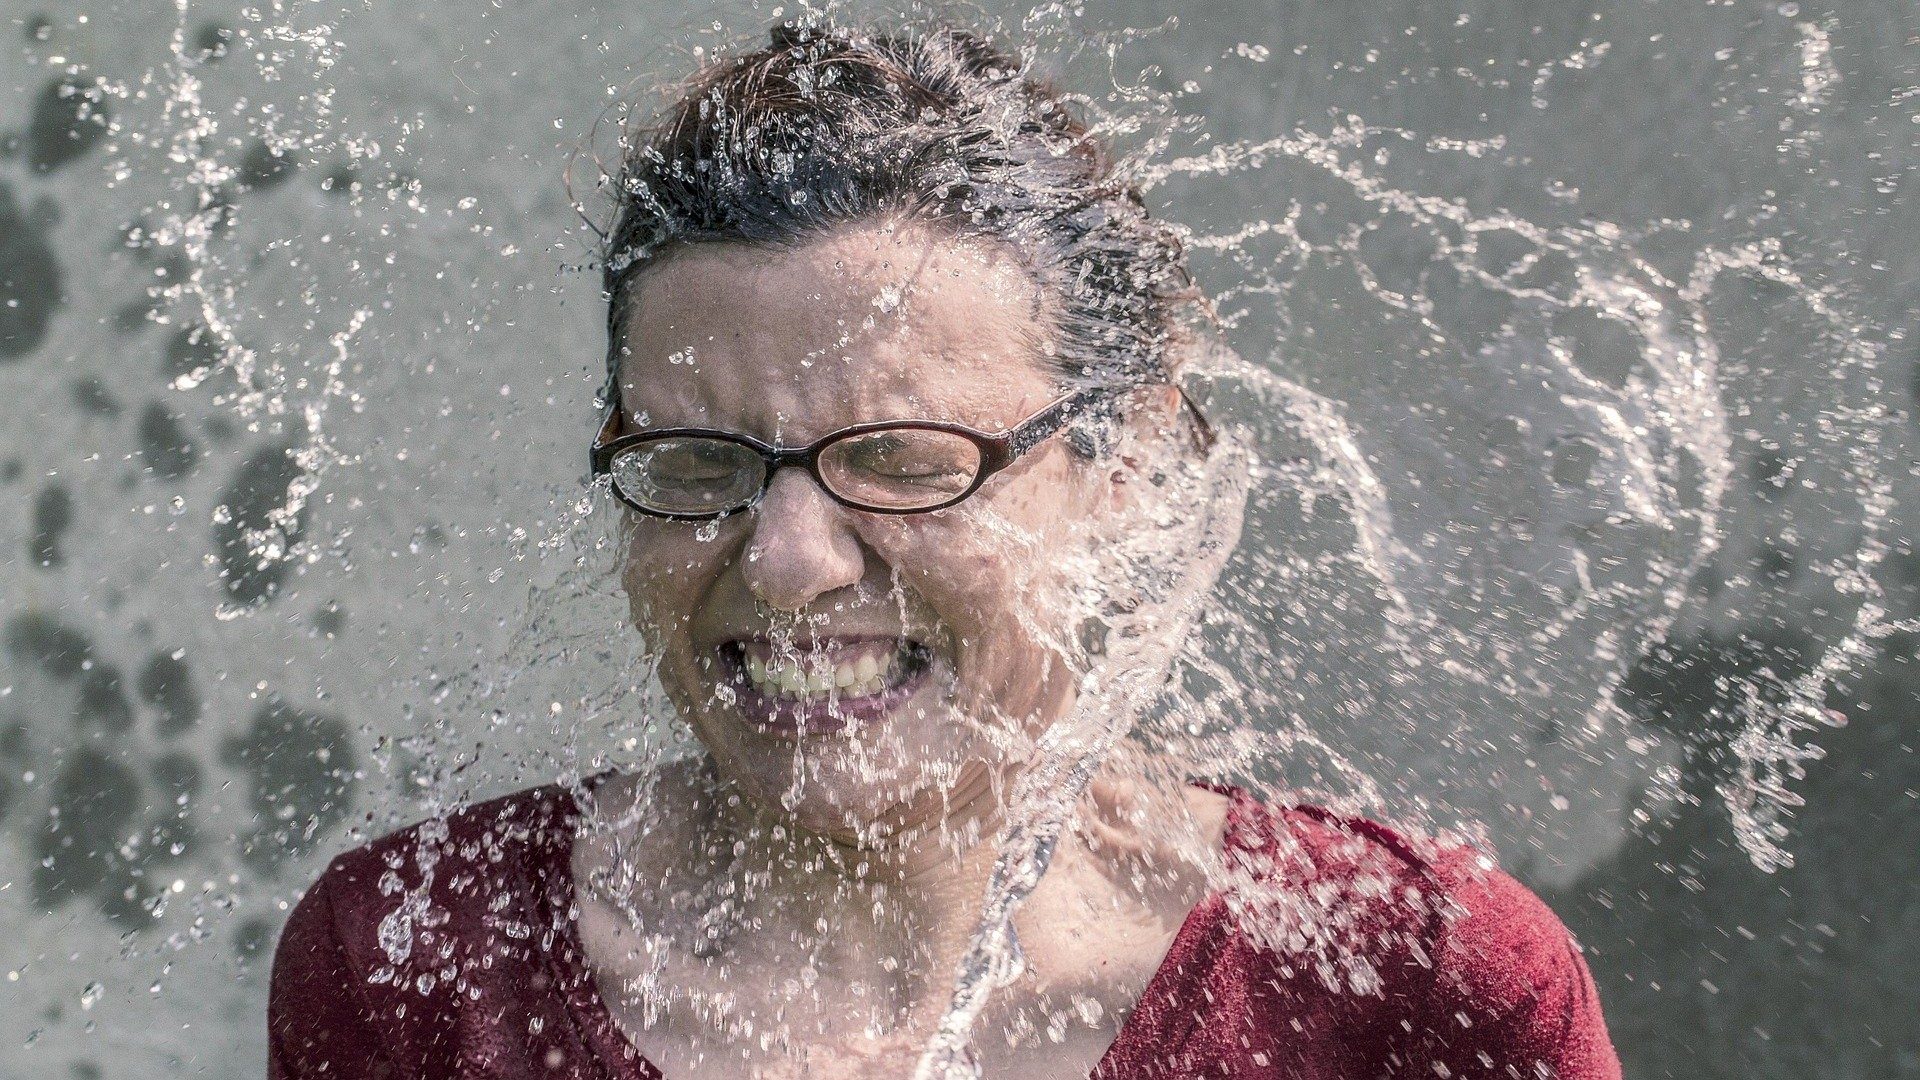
(1339, 894)
(444, 850)
(458, 903)
(1457, 954)
(1338, 881)
(452, 871)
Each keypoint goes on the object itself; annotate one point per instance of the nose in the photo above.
(802, 546)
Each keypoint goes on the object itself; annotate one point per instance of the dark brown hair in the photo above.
(827, 126)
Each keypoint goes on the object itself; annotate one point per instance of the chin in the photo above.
(842, 787)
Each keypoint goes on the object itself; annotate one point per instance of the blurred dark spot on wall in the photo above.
(166, 449)
(169, 264)
(1483, 312)
(1777, 562)
(103, 704)
(70, 118)
(171, 835)
(1905, 560)
(39, 639)
(265, 167)
(301, 777)
(253, 940)
(1771, 473)
(331, 619)
(91, 813)
(1501, 251)
(52, 517)
(212, 40)
(1573, 461)
(13, 751)
(1695, 689)
(258, 489)
(220, 428)
(177, 773)
(341, 180)
(134, 315)
(91, 396)
(192, 351)
(166, 685)
(30, 279)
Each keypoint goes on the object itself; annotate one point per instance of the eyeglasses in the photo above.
(888, 467)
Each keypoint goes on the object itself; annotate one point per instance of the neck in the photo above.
(878, 928)
(905, 900)
(929, 855)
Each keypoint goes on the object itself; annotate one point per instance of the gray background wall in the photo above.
(186, 732)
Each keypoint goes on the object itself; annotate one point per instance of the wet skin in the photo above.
(849, 829)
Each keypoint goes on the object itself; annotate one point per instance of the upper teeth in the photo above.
(806, 678)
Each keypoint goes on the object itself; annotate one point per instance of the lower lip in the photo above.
(820, 716)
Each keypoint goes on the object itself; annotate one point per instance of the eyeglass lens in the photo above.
(688, 475)
(900, 468)
(894, 469)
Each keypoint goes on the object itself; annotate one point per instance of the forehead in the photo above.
(875, 322)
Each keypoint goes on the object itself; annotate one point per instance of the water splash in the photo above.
(1504, 597)
(1454, 556)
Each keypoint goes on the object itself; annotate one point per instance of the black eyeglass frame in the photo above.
(997, 451)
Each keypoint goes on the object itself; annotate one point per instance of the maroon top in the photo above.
(449, 950)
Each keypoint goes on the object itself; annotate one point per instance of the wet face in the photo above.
(856, 671)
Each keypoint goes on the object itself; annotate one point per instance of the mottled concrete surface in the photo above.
(187, 730)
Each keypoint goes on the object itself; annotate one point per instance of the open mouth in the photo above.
(829, 685)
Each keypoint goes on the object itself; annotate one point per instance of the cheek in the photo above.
(1025, 546)
(947, 561)
(995, 572)
(664, 575)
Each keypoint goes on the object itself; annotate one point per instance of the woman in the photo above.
(891, 381)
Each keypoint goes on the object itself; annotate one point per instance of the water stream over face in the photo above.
(1503, 430)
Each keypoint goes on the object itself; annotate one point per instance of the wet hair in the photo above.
(827, 126)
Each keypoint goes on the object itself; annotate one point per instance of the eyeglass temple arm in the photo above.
(609, 428)
(609, 423)
(1036, 428)
(1049, 420)
(1202, 429)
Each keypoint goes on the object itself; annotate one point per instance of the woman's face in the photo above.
(850, 669)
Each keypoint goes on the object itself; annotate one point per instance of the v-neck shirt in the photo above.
(1340, 950)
